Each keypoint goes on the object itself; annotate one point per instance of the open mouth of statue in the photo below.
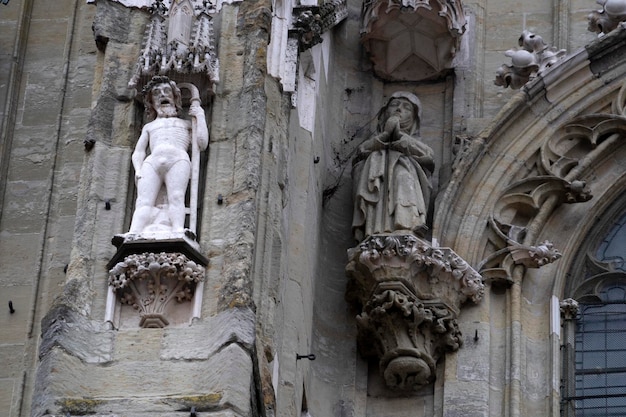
(165, 102)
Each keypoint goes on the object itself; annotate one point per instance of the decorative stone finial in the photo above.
(180, 41)
(606, 19)
(149, 282)
(534, 58)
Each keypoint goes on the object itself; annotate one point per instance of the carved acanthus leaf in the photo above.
(149, 281)
(534, 256)
(311, 22)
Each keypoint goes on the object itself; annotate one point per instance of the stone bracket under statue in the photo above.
(155, 283)
(410, 295)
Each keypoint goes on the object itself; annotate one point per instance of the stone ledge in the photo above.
(156, 246)
(234, 326)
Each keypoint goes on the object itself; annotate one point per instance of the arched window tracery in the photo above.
(594, 348)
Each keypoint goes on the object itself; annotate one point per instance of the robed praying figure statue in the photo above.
(391, 173)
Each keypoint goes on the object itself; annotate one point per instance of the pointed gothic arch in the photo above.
(528, 190)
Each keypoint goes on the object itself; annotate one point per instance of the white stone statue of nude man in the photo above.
(162, 175)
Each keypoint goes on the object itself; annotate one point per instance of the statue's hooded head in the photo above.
(414, 129)
(151, 112)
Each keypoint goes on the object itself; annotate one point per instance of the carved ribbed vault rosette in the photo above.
(150, 281)
(534, 58)
(606, 19)
(412, 40)
(410, 295)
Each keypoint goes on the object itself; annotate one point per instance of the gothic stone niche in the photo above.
(162, 225)
(412, 40)
(410, 294)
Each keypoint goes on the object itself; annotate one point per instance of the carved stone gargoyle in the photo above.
(410, 295)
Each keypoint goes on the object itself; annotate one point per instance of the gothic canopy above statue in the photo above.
(412, 40)
(179, 42)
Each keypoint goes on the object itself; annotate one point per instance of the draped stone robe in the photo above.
(391, 186)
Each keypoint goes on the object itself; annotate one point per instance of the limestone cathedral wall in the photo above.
(275, 225)
(48, 60)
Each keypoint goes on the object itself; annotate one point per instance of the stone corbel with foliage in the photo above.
(409, 294)
(149, 282)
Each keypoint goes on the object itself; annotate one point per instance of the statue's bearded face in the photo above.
(163, 100)
(403, 109)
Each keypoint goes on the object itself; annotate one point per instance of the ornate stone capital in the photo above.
(149, 282)
(410, 294)
(412, 40)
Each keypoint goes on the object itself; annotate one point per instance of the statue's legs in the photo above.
(148, 186)
(176, 181)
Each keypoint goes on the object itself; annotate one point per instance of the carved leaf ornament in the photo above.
(407, 250)
(410, 294)
(149, 281)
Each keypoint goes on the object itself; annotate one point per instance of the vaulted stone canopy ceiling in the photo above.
(411, 40)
